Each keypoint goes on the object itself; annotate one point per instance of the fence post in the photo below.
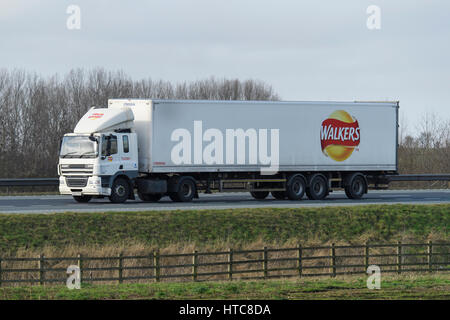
(156, 265)
(399, 257)
(230, 264)
(80, 266)
(299, 259)
(41, 269)
(366, 256)
(120, 258)
(194, 265)
(333, 260)
(430, 256)
(265, 262)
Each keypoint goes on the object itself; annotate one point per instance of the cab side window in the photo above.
(126, 144)
(109, 145)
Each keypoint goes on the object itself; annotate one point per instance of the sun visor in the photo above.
(103, 120)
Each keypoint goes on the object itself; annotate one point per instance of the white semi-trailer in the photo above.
(179, 148)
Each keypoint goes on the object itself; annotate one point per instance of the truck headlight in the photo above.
(95, 181)
(62, 181)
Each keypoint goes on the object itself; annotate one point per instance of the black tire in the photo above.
(82, 199)
(186, 190)
(279, 195)
(318, 187)
(356, 188)
(295, 187)
(259, 195)
(120, 191)
(150, 197)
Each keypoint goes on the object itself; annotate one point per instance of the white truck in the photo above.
(178, 148)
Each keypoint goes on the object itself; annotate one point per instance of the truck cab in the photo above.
(100, 158)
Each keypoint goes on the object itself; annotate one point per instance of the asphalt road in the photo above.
(49, 204)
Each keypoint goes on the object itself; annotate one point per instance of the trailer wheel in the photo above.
(356, 188)
(82, 199)
(185, 190)
(120, 191)
(318, 187)
(295, 187)
(279, 195)
(259, 195)
(150, 197)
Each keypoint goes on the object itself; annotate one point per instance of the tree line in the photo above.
(426, 152)
(36, 111)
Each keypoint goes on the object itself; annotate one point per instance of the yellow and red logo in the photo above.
(339, 135)
(95, 116)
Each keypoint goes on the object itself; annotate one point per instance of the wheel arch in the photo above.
(128, 176)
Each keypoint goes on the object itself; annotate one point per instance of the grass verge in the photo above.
(234, 227)
(392, 287)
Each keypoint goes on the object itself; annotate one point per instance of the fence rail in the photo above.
(232, 264)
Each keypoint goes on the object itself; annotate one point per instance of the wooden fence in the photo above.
(265, 263)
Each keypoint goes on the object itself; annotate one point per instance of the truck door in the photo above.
(110, 155)
(126, 153)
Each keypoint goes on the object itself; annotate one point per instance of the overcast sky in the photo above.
(308, 50)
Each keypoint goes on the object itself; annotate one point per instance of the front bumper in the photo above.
(93, 187)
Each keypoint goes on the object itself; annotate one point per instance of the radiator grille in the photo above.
(80, 182)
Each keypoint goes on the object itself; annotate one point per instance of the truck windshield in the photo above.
(78, 147)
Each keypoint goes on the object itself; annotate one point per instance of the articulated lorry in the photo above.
(179, 148)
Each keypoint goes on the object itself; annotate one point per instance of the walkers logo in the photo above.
(339, 135)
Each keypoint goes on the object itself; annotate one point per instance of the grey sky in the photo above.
(308, 50)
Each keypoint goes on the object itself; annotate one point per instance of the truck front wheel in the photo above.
(120, 191)
(82, 199)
